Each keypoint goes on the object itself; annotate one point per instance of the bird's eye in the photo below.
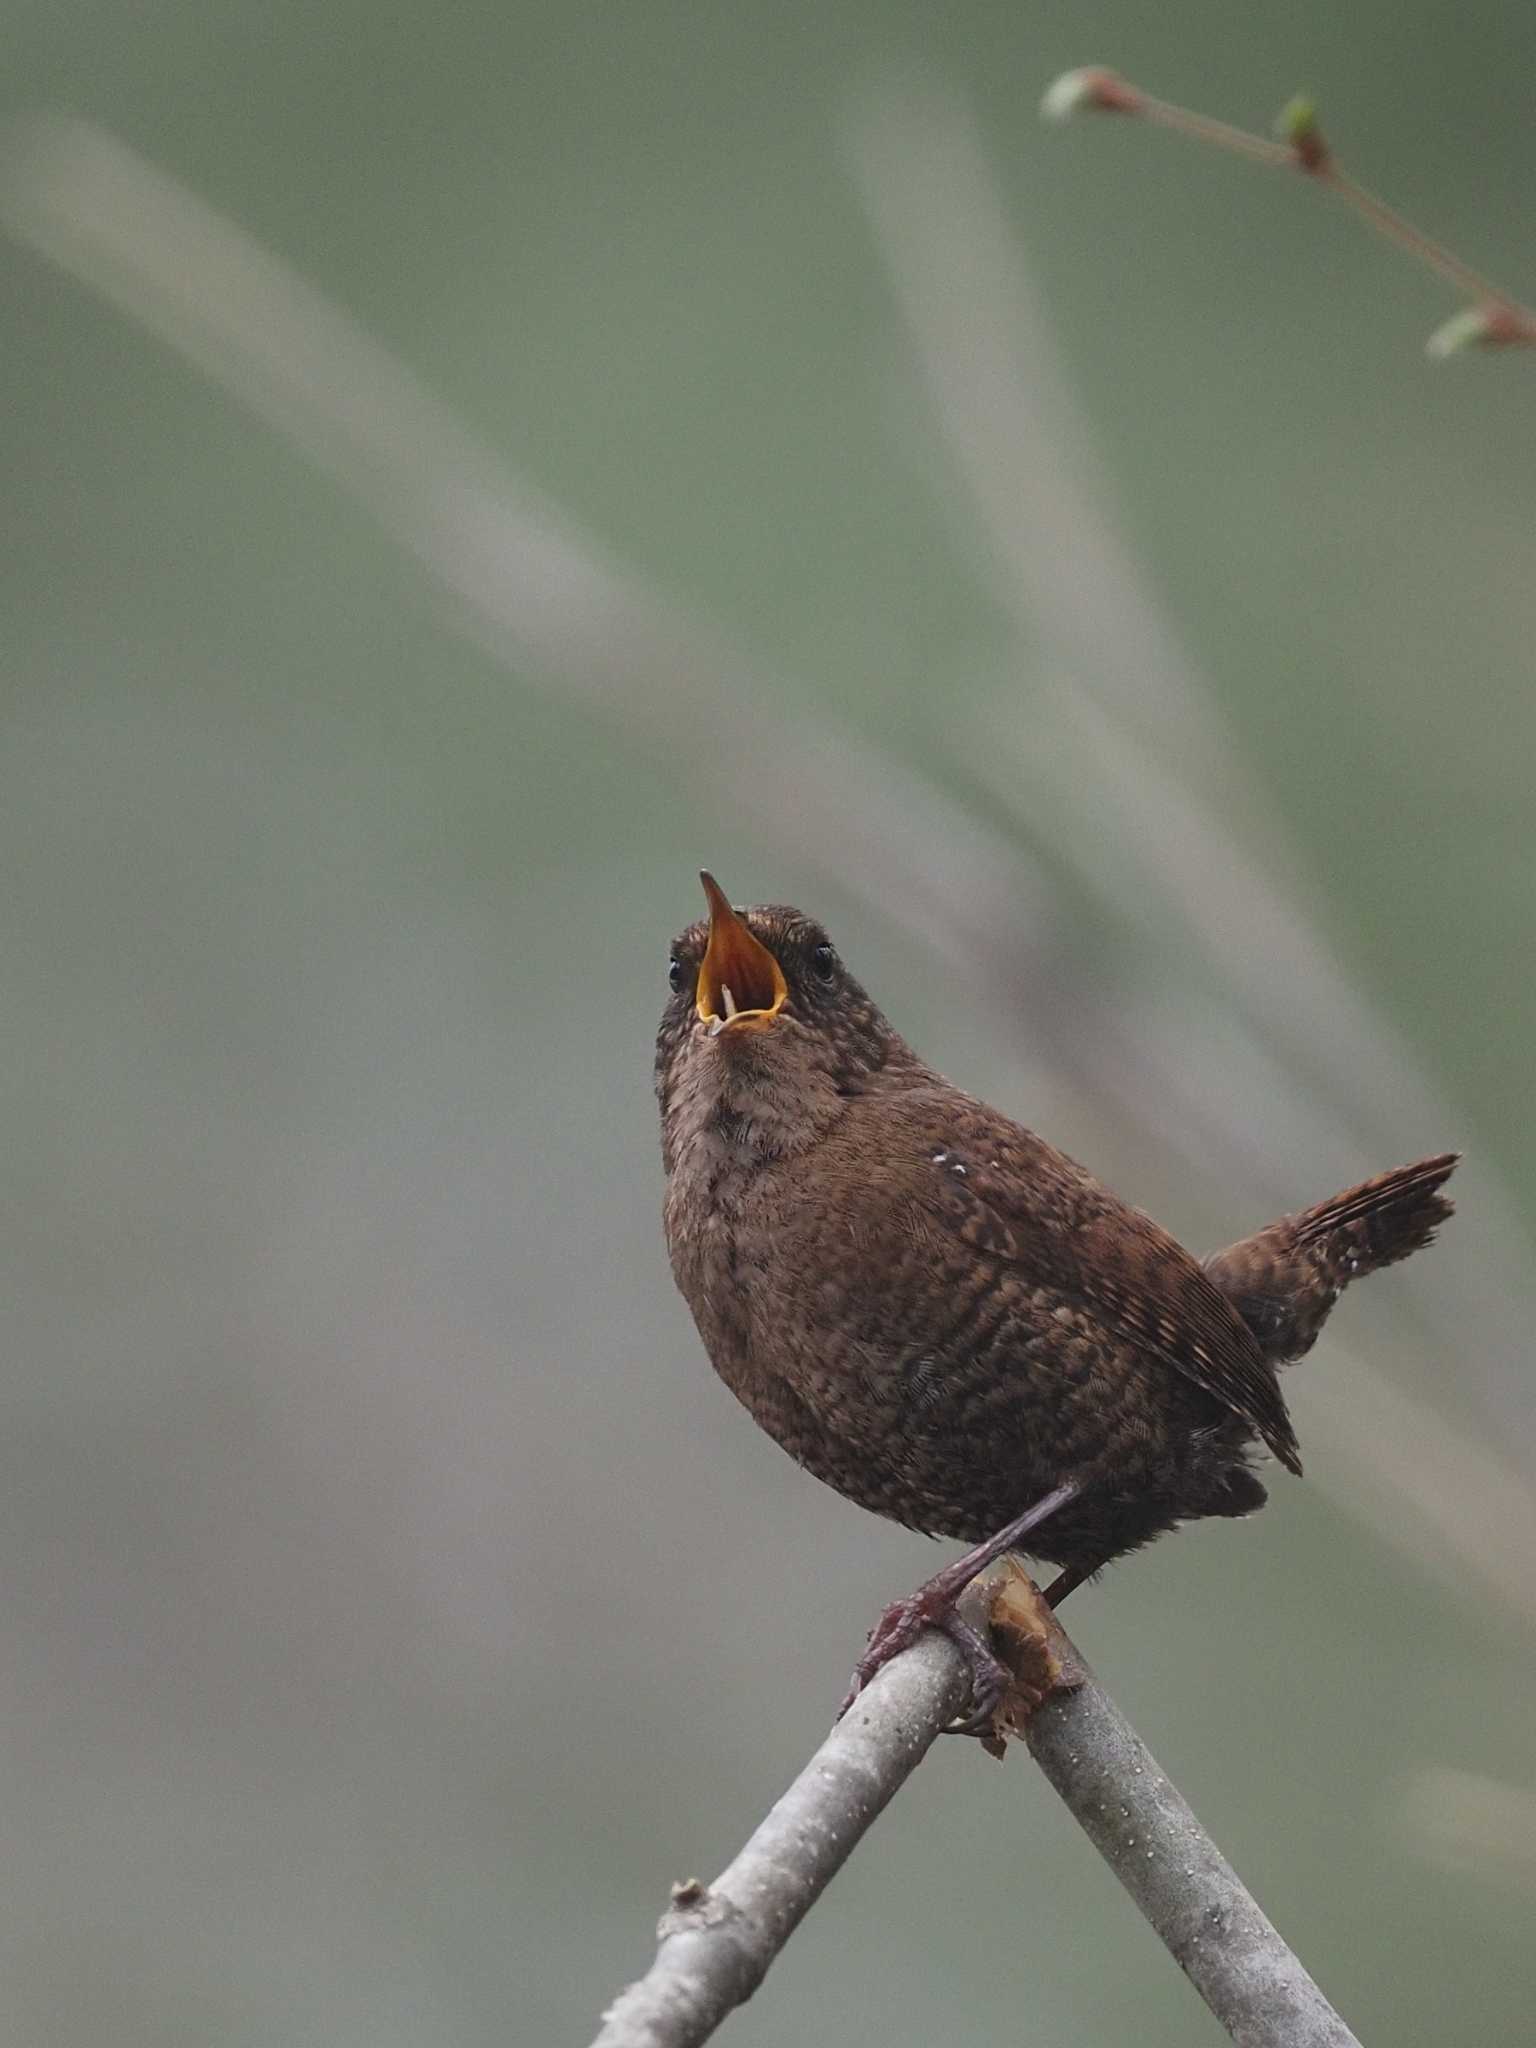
(824, 962)
(675, 974)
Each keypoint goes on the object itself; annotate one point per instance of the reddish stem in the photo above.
(1506, 321)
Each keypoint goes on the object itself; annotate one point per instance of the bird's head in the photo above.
(764, 1027)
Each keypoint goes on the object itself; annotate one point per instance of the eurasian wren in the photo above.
(944, 1317)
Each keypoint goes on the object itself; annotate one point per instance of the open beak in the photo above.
(741, 987)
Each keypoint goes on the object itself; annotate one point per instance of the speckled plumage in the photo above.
(944, 1317)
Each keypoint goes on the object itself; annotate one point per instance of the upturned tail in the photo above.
(1283, 1280)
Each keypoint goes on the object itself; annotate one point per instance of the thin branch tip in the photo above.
(1496, 326)
(1091, 89)
(1494, 320)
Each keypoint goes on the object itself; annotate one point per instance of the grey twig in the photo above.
(717, 1941)
(1205, 1916)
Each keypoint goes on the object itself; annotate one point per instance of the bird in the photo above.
(939, 1314)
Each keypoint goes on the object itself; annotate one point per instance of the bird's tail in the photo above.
(1380, 1221)
(1284, 1280)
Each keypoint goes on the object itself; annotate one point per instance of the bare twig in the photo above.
(1205, 1916)
(717, 1941)
(1494, 320)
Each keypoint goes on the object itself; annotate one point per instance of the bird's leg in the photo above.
(1067, 1582)
(933, 1606)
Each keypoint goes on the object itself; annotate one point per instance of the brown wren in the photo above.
(944, 1317)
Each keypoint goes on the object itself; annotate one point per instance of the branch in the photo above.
(1493, 320)
(1205, 1916)
(717, 1941)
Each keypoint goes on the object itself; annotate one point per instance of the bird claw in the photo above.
(989, 1677)
(933, 1606)
(899, 1628)
(896, 1630)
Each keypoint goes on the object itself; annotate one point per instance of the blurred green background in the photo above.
(634, 436)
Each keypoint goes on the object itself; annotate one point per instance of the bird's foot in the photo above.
(990, 1677)
(933, 1606)
(1067, 1582)
(899, 1628)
